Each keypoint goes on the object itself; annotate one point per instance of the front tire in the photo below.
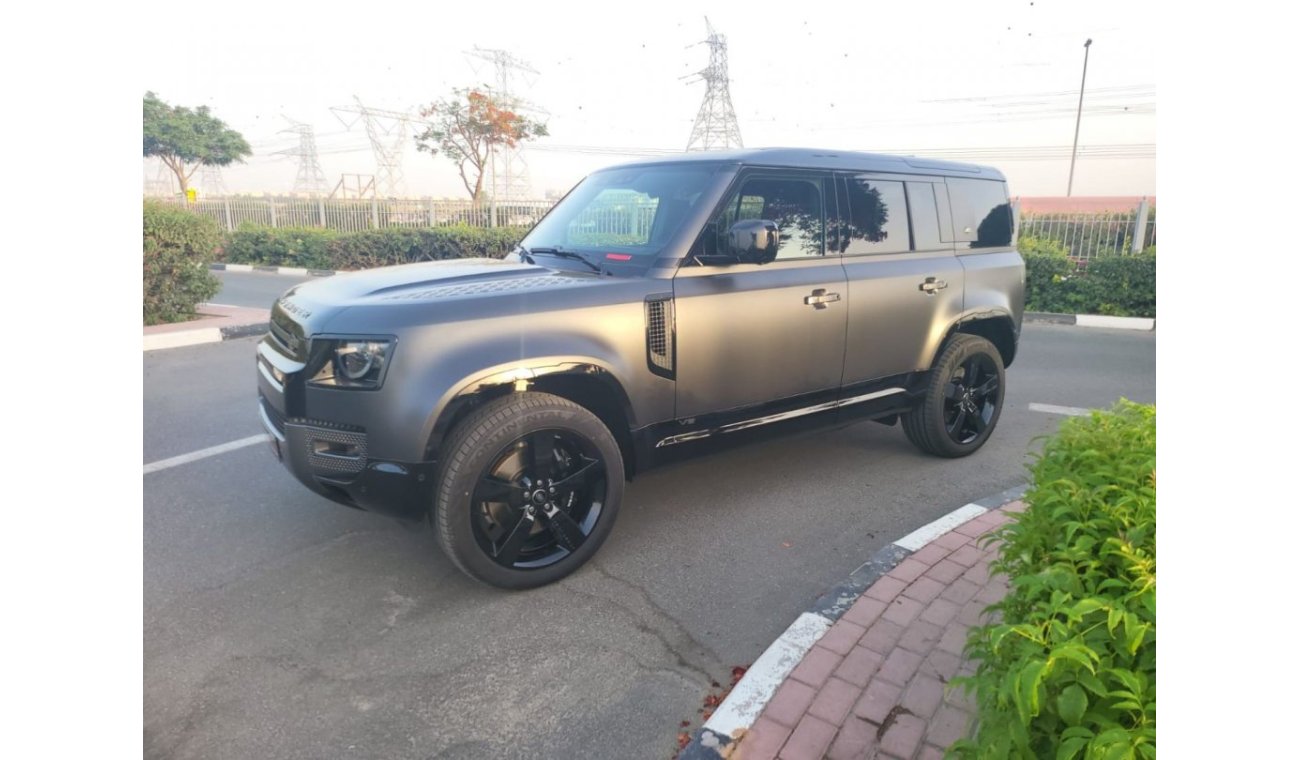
(529, 489)
(963, 400)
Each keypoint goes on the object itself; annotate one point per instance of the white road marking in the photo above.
(751, 695)
(1070, 411)
(211, 451)
(918, 538)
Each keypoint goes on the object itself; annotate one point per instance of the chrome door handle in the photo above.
(931, 285)
(820, 298)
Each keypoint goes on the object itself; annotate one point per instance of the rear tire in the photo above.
(528, 490)
(963, 400)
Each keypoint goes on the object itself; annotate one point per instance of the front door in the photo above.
(750, 334)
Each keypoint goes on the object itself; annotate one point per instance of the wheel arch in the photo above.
(586, 383)
(997, 327)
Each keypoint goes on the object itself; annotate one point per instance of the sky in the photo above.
(916, 76)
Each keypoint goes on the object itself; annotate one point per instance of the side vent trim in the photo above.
(660, 346)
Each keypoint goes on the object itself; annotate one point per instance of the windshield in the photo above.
(623, 215)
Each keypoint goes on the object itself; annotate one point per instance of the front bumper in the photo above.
(332, 460)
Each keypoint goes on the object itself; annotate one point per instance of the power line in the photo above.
(1145, 88)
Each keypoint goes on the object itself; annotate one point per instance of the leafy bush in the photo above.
(316, 248)
(279, 246)
(1123, 286)
(1120, 285)
(1069, 671)
(1048, 268)
(178, 245)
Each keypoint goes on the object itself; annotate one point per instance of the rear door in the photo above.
(751, 334)
(904, 279)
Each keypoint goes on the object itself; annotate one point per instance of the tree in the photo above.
(186, 139)
(468, 127)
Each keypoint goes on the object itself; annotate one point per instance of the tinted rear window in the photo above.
(877, 218)
(981, 212)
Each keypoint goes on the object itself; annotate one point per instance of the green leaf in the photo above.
(1126, 677)
(1092, 683)
(1072, 703)
(1027, 689)
(1070, 748)
(1091, 604)
(1135, 635)
(1076, 653)
(1113, 619)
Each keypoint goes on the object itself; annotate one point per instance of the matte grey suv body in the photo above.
(660, 307)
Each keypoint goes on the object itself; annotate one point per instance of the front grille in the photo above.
(659, 336)
(286, 341)
(288, 334)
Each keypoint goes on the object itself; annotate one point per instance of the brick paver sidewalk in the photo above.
(874, 685)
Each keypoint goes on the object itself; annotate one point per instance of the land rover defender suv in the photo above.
(661, 307)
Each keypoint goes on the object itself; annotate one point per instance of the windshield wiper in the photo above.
(525, 255)
(563, 254)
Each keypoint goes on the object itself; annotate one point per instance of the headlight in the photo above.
(354, 364)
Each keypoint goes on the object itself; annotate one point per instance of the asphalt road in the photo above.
(253, 289)
(278, 624)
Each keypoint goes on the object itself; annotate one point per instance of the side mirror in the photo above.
(753, 241)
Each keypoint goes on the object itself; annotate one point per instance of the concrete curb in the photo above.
(1092, 320)
(746, 701)
(295, 271)
(202, 335)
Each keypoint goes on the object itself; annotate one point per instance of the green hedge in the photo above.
(279, 246)
(1069, 670)
(178, 246)
(316, 248)
(1122, 286)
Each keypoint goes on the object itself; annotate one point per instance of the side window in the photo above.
(794, 204)
(876, 221)
(981, 212)
(925, 216)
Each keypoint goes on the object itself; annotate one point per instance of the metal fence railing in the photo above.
(1086, 234)
(1089, 235)
(351, 215)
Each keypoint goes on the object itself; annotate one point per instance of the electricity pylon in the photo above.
(715, 124)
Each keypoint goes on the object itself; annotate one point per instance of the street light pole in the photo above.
(1069, 189)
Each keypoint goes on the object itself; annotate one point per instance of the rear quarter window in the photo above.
(981, 212)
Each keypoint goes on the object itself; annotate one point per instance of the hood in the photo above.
(423, 288)
(435, 280)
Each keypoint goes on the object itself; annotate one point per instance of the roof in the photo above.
(821, 158)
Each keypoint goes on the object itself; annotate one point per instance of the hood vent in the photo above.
(659, 335)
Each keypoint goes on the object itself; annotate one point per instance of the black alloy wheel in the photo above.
(539, 499)
(528, 489)
(970, 399)
(962, 400)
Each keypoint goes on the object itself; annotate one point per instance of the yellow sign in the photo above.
(191, 195)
